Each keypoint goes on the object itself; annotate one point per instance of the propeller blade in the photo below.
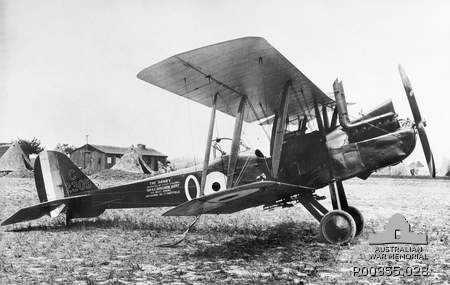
(410, 95)
(427, 150)
(420, 124)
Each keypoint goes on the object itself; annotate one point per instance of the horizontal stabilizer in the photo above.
(39, 210)
(237, 198)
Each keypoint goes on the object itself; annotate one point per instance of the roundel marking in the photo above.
(215, 182)
(186, 187)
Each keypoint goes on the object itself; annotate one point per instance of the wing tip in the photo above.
(168, 214)
(139, 74)
(9, 221)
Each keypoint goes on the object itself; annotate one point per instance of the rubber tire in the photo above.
(357, 217)
(326, 222)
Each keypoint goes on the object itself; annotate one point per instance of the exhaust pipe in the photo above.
(341, 105)
(344, 119)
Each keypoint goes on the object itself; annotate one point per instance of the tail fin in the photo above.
(57, 177)
(59, 182)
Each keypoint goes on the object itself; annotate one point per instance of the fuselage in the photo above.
(313, 161)
(351, 149)
(310, 159)
(174, 188)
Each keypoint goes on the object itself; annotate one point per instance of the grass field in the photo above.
(252, 246)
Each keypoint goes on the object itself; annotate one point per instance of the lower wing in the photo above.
(238, 198)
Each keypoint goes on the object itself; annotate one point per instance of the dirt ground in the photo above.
(252, 246)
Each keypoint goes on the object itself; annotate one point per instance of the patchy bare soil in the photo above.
(252, 246)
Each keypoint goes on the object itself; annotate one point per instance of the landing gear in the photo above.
(339, 202)
(338, 227)
(345, 222)
(69, 217)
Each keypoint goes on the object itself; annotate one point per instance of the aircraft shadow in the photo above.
(30, 228)
(286, 238)
(157, 224)
(95, 224)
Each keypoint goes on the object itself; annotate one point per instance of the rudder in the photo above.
(60, 186)
(56, 177)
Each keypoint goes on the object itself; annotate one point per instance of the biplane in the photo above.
(314, 143)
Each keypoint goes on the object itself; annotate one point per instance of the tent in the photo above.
(3, 148)
(14, 159)
(416, 168)
(132, 161)
(416, 164)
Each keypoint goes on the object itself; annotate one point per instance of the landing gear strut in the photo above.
(345, 222)
(69, 217)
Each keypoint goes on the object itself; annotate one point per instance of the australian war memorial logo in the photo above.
(398, 231)
(397, 251)
(398, 241)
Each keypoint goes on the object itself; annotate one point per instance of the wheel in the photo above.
(338, 227)
(357, 217)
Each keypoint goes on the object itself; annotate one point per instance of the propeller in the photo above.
(420, 123)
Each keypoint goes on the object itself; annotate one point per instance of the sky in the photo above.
(68, 68)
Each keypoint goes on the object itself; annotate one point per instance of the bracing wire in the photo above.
(238, 179)
(306, 111)
(258, 118)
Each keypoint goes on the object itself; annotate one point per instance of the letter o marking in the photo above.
(186, 187)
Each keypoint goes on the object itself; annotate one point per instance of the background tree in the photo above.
(32, 146)
(65, 148)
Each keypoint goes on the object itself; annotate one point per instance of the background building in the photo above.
(98, 157)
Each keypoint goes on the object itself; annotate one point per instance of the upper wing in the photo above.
(237, 198)
(248, 67)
